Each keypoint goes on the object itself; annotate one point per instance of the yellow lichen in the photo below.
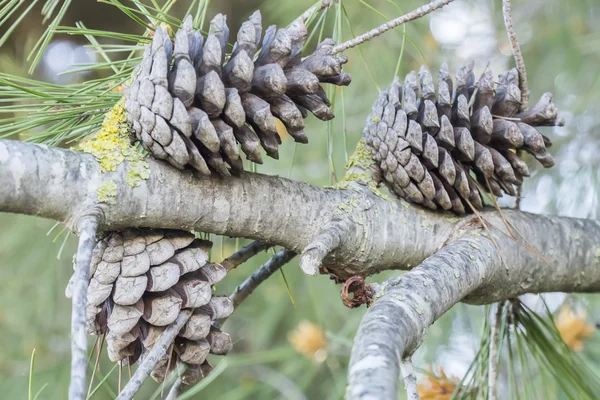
(107, 192)
(362, 157)
(112, 145)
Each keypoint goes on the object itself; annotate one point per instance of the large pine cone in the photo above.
(444, 150)
(140, 281)
(191, 108)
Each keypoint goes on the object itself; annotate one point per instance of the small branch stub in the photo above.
(328, 239)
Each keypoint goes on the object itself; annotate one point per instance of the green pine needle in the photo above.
(287, 286)
(31, 367)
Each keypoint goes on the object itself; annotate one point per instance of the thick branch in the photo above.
(469, 269)
(63, 185)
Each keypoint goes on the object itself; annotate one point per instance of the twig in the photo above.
(415, 14)
(316, 8)
(87, 232)
(516, 50)
(493, 359)
(273, 264)
(244, 290)
(259, 276)
(410, 380)
(174, 391)
(163, 344)
(244, 254)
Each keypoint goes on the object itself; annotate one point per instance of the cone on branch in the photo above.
(444, 150)
(140, 280)
(191, 104)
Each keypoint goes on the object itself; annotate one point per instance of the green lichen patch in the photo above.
(107, 192)
(112, 145)
(361, 158)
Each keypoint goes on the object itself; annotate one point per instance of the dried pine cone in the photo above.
(140, 281)
(444, 150)
(190, 105)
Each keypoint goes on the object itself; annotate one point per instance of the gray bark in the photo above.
(348, 232)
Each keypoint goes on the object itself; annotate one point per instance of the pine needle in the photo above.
(31, 367)
(101, 383)
(287, 286)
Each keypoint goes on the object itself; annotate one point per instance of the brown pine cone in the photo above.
(444, 149)
(191, 104)
(140, 280)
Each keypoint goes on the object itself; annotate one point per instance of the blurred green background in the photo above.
(561, 45)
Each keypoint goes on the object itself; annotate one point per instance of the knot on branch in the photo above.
(355, 293)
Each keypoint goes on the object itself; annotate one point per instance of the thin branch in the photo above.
(305, 16)
(160, 348)
(263, 272)
(175, 390)
(410, 380)
(244, 254)
(373, 33)
(493, 360)
(516, 50)
(88, 226)
(244, 290)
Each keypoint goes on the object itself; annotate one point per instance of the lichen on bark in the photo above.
(112, 145)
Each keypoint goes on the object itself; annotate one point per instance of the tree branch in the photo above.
(373, 33)
(516, 50)
(386, 234)
(87, 233)
(410, 380)
(162, 345)
(468, 269)
(244, 254)
(493, 358)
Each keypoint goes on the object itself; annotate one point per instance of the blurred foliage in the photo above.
(561, 45)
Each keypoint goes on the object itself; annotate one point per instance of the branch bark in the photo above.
(463, 264)
(87, 232)
(410, 380)
(385, 234)
(469, 268)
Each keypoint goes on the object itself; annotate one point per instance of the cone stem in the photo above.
(516, 50)
(373, 33)
(87, 232)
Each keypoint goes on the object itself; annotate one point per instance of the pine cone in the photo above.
(140, 281)
(445, 150)
(189, 107)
